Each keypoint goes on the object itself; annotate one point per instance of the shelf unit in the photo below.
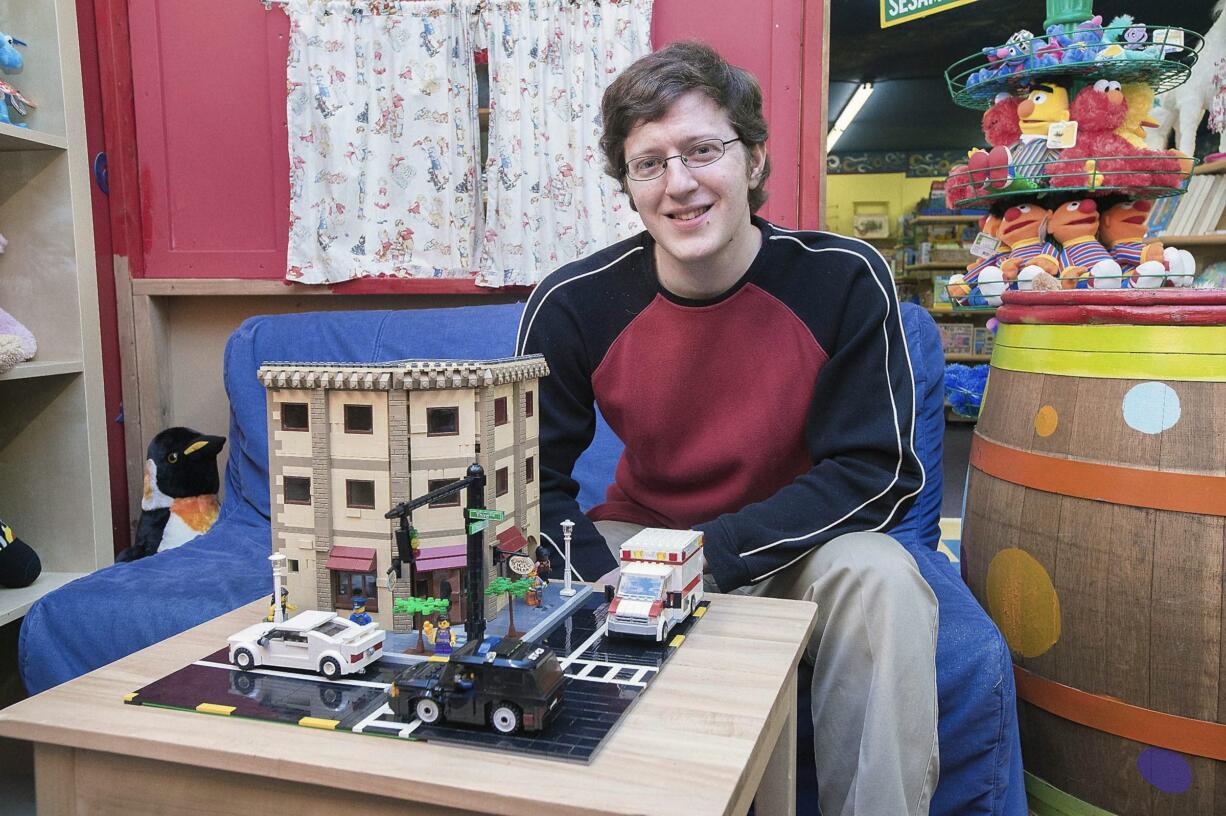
(55, 491)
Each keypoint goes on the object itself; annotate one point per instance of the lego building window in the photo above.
(529, 401)
(293, 564)
(360, 494)
(359, 419)
(500, 411)
(297, 490)
(294, 417)
(442, 421)
(450, 501)
(347, 584)
(529, 470)
(501, 482)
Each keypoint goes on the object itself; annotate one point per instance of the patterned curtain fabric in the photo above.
(548, 200)
(383, 140)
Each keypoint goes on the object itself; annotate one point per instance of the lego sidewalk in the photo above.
(530, 622)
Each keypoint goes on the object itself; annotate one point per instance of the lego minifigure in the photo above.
(286, 607)
(359, 614)
(443, 638)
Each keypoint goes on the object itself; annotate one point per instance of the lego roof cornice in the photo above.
(411, 375)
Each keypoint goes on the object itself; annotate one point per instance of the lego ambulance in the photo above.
(660, 583)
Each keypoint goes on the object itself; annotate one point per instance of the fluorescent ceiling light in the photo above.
(850, 110)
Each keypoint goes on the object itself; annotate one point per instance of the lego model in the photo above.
(660, 583)
(314, 641)
(346, 442)
(501, 682)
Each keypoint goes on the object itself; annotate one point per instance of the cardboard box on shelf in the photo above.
(984, 340)
(940, 292)
(957, 338)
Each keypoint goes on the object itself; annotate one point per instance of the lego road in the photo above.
(604, 677)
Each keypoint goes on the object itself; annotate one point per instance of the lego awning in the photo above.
(439, 558)
(352, 559)
(511, 540)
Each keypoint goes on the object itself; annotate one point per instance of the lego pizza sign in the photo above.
(894, 12)
(520, 564)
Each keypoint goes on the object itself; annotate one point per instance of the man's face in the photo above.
(698, 216)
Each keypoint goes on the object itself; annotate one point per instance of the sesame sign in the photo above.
(894, 12)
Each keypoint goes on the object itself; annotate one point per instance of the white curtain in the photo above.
(548, 200)
(383, 140)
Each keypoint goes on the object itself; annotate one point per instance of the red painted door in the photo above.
(209, 97)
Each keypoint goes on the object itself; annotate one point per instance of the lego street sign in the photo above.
(482, 513)
(477, 526)
(520, 564)
(894, 12)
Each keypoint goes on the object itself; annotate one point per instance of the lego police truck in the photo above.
(660, 583)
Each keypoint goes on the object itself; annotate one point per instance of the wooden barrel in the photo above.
(1095, 536)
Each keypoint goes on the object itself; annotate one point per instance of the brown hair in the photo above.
(647, 89)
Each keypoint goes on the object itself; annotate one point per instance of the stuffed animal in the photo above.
(958, 186)
(1184, 107)
(11, 62)
(961, 287)
(1084, 261)
(19, 564)
(17, 344)
(1022, 228)
(991, 169)
(1045, 105)
(1122, 228)
(181, 484)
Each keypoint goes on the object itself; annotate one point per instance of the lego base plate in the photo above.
(604, 676)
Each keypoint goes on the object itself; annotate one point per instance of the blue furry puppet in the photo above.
(964, 386)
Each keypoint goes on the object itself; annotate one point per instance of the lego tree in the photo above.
(421, 606)
(517, 588)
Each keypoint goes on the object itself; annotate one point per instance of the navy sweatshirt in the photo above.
(773, 418)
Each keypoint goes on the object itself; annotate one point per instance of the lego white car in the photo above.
(315, 641)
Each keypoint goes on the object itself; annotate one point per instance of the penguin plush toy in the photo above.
(180, 498)
(19, 564)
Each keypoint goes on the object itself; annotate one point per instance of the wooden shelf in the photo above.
(1218, 166)
(1215, 239)
(967, 358)
(242, 287)
(946, 219)
(929, 267)
(43, 368)
(14, 603)
(19, 138)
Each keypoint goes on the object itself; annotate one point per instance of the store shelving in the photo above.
(55, 491)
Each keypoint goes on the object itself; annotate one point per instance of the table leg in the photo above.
(777, 791)
(55, 779)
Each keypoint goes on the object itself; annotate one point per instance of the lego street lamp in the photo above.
(567, 527)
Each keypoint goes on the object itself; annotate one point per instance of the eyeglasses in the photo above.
(647, 168)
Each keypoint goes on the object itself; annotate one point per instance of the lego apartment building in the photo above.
(348, 442)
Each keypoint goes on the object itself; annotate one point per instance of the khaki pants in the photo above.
(873, 652)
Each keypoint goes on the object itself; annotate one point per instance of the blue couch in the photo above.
(125, 607)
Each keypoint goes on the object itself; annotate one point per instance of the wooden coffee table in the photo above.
(715, 729)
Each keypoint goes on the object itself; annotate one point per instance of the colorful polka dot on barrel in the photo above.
(1151, 407)
(1023, 602)
(1045, 421)
(1166, 770)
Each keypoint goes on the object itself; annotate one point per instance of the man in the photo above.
(760, 380)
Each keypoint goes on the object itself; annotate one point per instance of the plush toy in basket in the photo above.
(180, 497)
(19, 564)
(11, 62)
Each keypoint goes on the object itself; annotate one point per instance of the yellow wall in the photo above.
(899, 192)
